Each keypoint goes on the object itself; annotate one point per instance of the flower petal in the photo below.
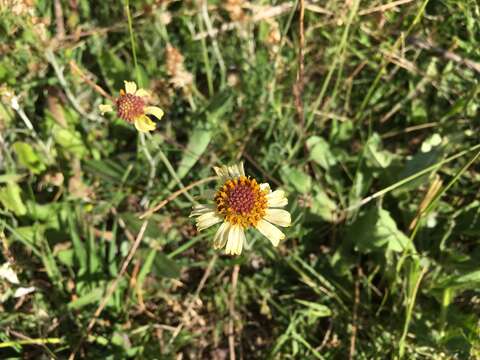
(208, 219)
(270, 231)
(142, 93)
(155, 111)
(278, 217)
(277, 199)
(105, 108)
(201, 209)
(22, 291)
(234, 171)
(236, 237)
(265, 186)
(7, 273)
(241, 168)
(221, 171)
(130, 87)
(144, 124)
(221, 236)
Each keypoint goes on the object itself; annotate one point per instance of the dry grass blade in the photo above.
(231, 310)
(175, 195)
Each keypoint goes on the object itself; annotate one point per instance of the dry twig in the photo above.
(175, 195)
(298, 87)
(383, 8)
(231, 310)
(353, 337)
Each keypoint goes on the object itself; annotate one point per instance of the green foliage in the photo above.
(383, 252)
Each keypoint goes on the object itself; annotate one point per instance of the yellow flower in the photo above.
(131, 106)
(241, 203)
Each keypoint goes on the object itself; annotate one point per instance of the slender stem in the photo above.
(172, 172)
(410, 178)
(175, 195)
(132, 41)
(410, 305)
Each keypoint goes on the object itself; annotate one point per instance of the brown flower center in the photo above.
(241, 201)
(130, 106)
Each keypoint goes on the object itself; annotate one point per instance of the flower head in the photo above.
(131, 106)
(241, 203)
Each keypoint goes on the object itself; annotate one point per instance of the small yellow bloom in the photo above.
(241, 203)
(131, 106)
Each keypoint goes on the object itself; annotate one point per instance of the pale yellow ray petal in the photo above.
(235, 236)
(155, 111)
(104, 108)
(200, 210)
(142, 93)
(144, 124)
(130, 87)
(208, 219)
(271, 232)
(241, 168)
(221, 236)
(265, 187)
(221, 171)
(234, 171)
(278, 217)
(277, 199)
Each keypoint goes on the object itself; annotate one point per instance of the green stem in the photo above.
(132, 41)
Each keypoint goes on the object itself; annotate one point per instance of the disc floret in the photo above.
(241, 201)
(131, 106)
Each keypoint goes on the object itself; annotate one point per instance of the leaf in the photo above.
(319, 310)
(417, 163)
(66, 257)
(11, 199)
(376, 157)
(469, 280)
(134, 224)
(107, 169)
(166, 267)
(69, 140)
(6, 178)
(320, 152)
(91, 297)
(376, 229)
(28, 157)
(297, 178)
(323, 206)
(197, 144)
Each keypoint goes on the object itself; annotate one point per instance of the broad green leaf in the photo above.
(387, 229)
(320, 152)
(298, 179)
(28, 157)
(417, 163)
(66, 257)
(197, 144)
(322, 205)
(166, 267)
(6, 178)
(11, 199)
(376, 229)
(376, 157)
(69, 140)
